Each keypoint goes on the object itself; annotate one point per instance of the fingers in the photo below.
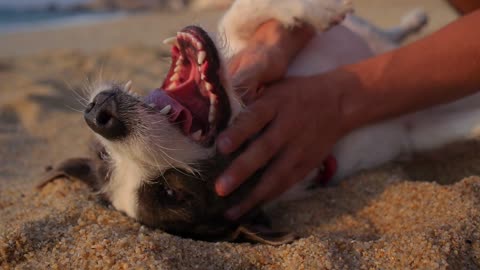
(256, 156)
(280, 177)
(248, 123)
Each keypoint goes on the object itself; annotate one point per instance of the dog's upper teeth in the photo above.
(213, 99)
(128, 86)
(179, 60)
(166, 110)
(172, 41)
(175, 77)
(177, 68)
(202, 76)
(201, 57)
(197, 135)
(172, 86)
(199, 45)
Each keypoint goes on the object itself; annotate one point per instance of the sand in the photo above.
(421, 214)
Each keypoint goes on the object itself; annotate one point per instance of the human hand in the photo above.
(299, 121)
(266, 57)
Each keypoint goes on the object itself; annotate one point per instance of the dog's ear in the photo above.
(82, 169)
(262, 234)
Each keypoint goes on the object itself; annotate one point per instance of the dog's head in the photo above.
(156, 159)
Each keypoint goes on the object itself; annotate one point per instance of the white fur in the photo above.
(151, 149)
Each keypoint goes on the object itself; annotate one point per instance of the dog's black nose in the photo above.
(102, 116)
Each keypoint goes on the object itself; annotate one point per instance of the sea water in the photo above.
(31, 15)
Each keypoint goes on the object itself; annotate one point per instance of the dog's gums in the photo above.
(192, 95)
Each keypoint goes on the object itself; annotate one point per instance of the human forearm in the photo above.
(434, 70)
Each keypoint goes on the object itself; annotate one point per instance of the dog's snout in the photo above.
(102, 116)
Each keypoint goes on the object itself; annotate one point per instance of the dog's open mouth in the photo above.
(192, 94)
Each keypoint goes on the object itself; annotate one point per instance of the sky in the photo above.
(35, 3)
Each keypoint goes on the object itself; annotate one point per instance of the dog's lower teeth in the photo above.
(197, 135)
(208, 86)
(321, 168)
(166, 110)
(211, 114)
(177, 68)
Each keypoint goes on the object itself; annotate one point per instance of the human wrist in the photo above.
(349, 99)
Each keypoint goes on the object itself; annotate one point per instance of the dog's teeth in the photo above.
(208, 86)
(171, 41)
(201, 57)
(128, 86)
(211, 115)
(213, 99)
(172, 86)
(175, 77)
(189, 36)
(179, 61)
(197, 135)
(199, 45)
(202, 76)
(166, 110)
(177, 68)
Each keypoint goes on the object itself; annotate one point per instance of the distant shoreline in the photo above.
(31, 21)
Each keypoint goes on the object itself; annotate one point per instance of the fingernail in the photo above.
(232, 214)
(222, 185)
(224, 144)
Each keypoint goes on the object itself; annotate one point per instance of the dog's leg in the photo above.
(410, 24)
(245, 16)
(445, 124)
(382, 40)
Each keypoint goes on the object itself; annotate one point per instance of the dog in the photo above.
(155, 157)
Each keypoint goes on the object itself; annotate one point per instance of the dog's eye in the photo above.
(170, 192)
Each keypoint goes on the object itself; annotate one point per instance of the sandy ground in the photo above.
(384, 218)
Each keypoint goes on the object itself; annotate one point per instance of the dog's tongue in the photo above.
(161, 100)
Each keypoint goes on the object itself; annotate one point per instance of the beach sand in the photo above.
(420, 214)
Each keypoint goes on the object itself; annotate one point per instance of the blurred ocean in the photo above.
(31, 15)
